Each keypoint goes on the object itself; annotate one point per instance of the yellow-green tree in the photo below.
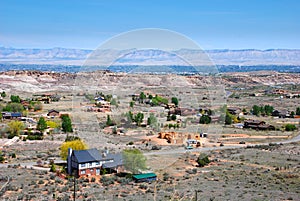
(75, 145)
(52, 124)
(15, 127)
(134, 160)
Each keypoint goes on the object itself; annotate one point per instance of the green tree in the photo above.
(134, 160)
(174, 100)
(290, 127)
(205, 119)
(152, 120)
(3, 94)
(41, 125)
(75, 145)
(298, 111)
(256, 110)
(109, 121)
(173, 117)
(131, 104)
(37, 106)
(66, 123)
(268, 109)
(138, 118)
(142, 97)
(1, 157)
(13, 107)
(15, 127)
(129, 117)
(114, 102)
(292, 114)
(15, 99)
(223, 109)
(228, 119)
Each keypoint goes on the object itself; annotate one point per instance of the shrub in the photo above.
(290, 127)
(41, 182)
(52, 168)
(205, 119)
(166, 176)
(203, 160)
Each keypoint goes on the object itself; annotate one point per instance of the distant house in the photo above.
(258, 125)
(55, 97)
(11, 115)
(234, 110)
(102, 105)
(170, 106)
(90, 162)
(53, 113)
(45, 98)
(147, 177)
(186, 111)
(281, 114)
(25, 104)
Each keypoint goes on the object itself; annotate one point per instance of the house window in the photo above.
(97, 163)
(91, 164)
(82, 165)
(82, 172)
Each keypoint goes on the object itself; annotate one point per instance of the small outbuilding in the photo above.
(147, 177)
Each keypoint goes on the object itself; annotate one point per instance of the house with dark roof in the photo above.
(53, 113)
(258, 125)
(281, 113)
(11, 115)
(91, 161)
(234, 110)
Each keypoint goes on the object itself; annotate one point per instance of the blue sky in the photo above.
(213, 24)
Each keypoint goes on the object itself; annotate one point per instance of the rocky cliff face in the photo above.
(37, 82)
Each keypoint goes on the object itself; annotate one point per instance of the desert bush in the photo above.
(58, 180)
(52, 176)
(106, 181)
(202, 160)
(166, 176)
(41, 182)
(124, 180)
(143, 186)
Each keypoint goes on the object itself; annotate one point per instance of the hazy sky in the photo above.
(213, 24)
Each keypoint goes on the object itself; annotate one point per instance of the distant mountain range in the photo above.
(63, 56)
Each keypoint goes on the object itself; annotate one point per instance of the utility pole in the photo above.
(196, 194)
(74, 193)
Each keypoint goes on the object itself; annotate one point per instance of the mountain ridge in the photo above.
(68, 56)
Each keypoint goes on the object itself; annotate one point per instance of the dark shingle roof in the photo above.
(88, 155)
(118, 160)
